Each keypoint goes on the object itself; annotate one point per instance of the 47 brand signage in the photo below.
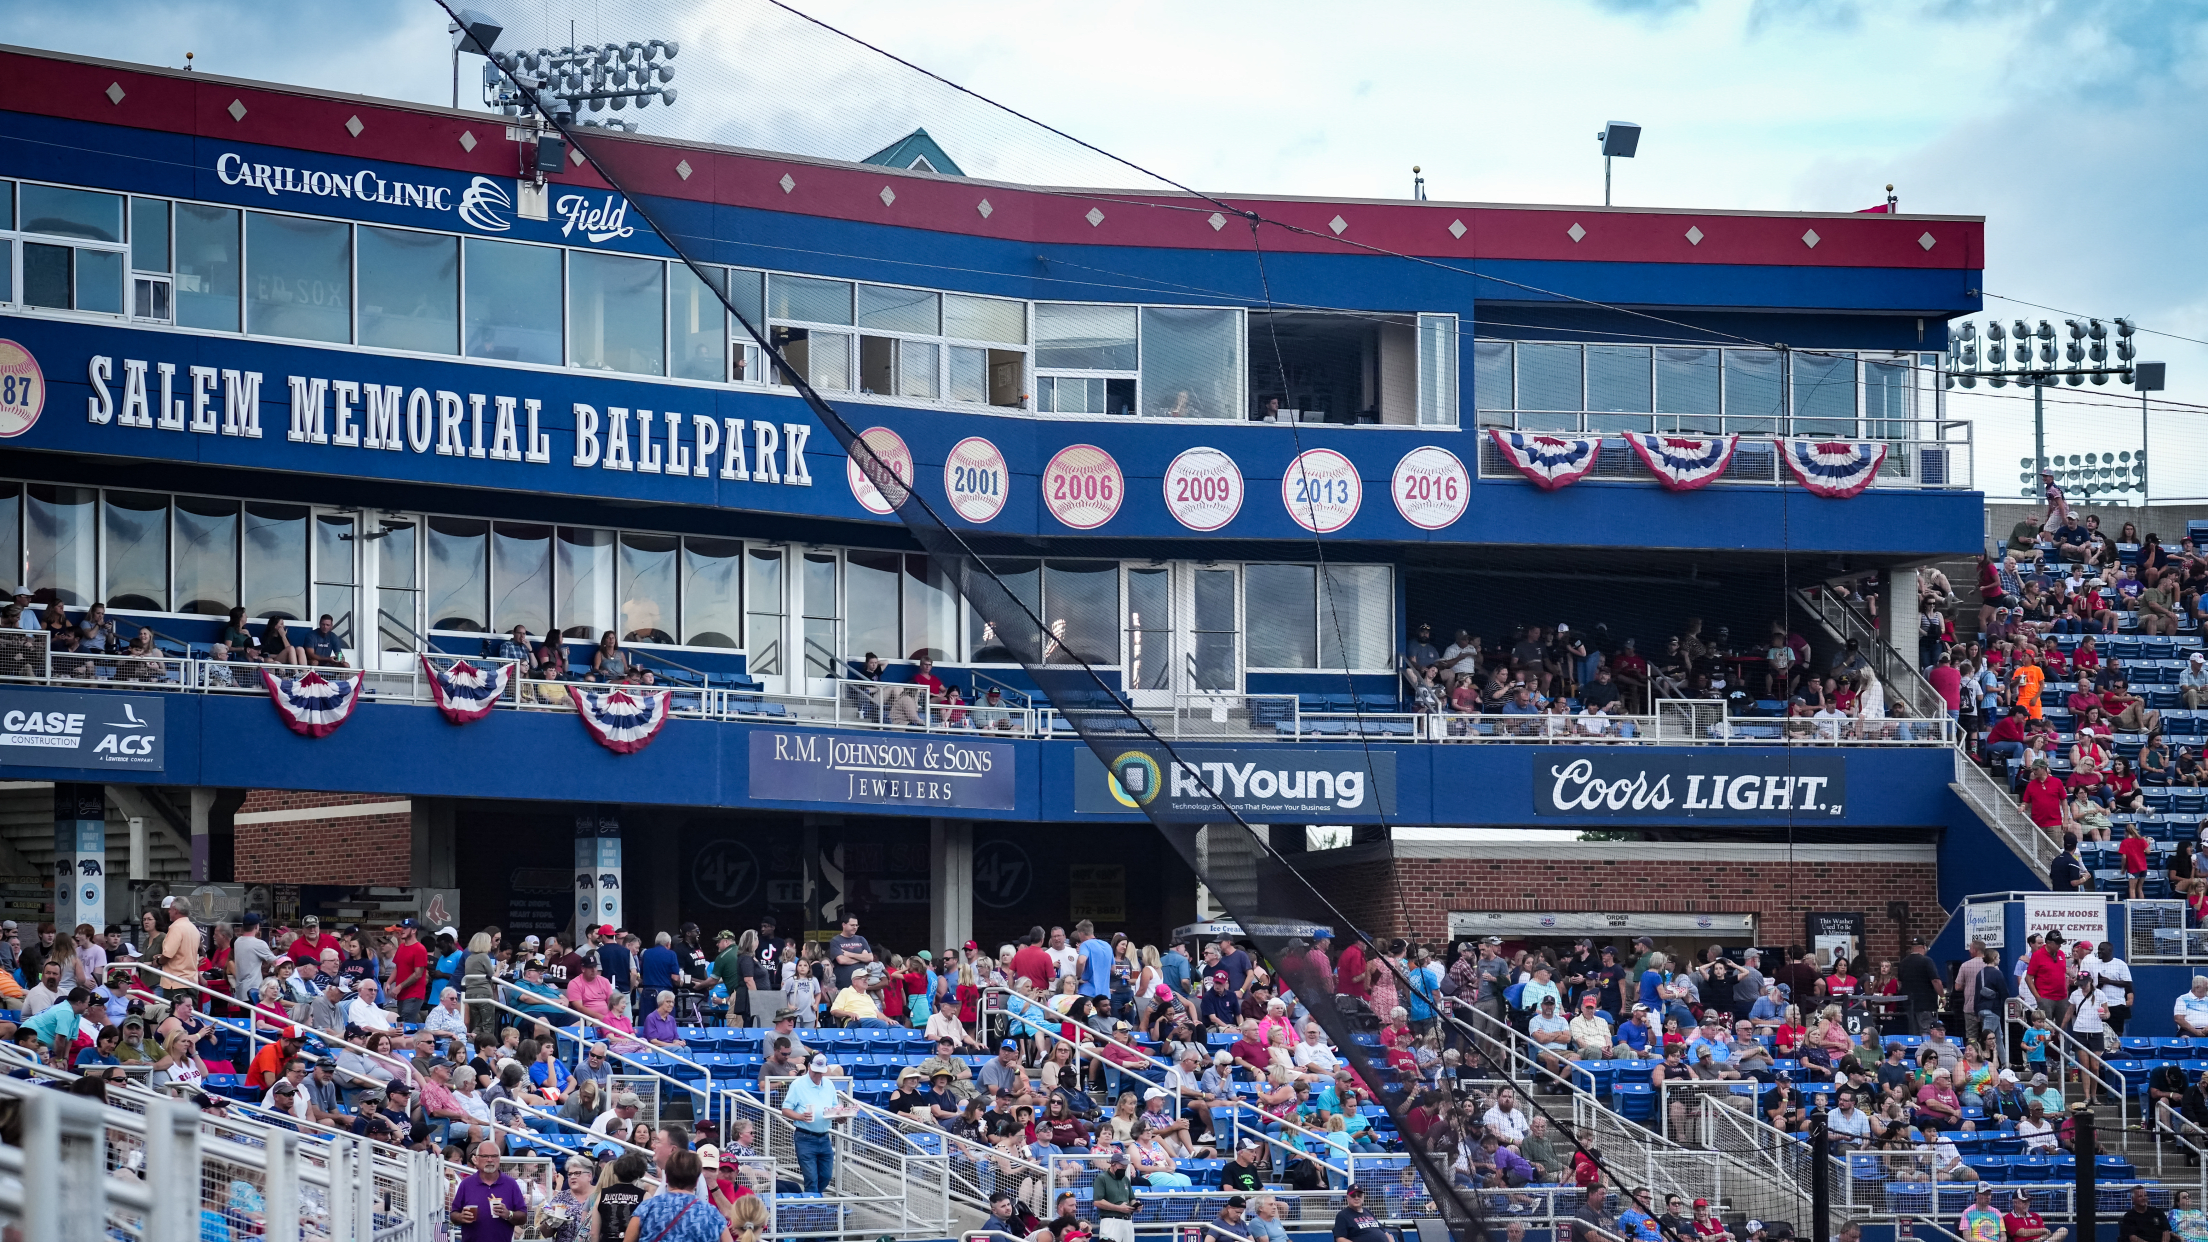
(1648, 783)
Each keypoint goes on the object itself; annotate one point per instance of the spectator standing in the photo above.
(810, 1104)
(250, 957)
(488, 1206)
(849, 950)
(1096, 968)
(679, 1215)
(409, 971)
(1921, 987)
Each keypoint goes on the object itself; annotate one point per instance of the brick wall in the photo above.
(297, 837)
(1412, 897)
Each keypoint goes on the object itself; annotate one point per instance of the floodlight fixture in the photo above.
(1619, 139)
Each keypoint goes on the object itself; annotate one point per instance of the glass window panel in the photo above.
(459, 574)
(1085, 337)
(1687, 383)
(615, 309)
(149, 234)
(398, 601)
(583, 581)
(1214, 627)
(744, 293)
(274, 565)
(409, 290)
(917, 368)
(1080, 603)
(1280, 602)
(808, 300)
(648, 569)
(137, 535)
(61, 542)
(1357, 617)
(763, 598)
(1888, 399)
(513, 302)
(84, 214)
(206, 555)
(1549, 377)
(969, 374)
(302, 278)
(334, 541)
(698, 325)
(1149, 624)
(873, 603)
(1755, 389)
(396, 543)
(892, 309)
(521, 577)
(7, 272)
(822, 617)
(11, 517)
(712, 603)
(984, 319)
(7, 204)
(931, 610)
(1824, 394)
(46, 275)
(100, 281)
(1191, 362)
(1437, 370)
(1618, 379)
(822, 359)
(878, 364)
(207, 267)
(1023, 579)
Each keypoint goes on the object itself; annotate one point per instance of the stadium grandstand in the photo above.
(643, 688)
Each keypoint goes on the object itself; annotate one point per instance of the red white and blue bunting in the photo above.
(1551, 461)
(1833, 468)
(463, 692)
(1683, 463)
(624, 719)
(311, 704)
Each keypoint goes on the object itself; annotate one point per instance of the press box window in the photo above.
(73, 249)
(7, 245)
(151, 261)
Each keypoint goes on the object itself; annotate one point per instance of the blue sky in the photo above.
(2072, 127)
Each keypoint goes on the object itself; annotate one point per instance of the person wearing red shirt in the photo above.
(925, 676)
(1032, 961)
(2087, 658)
(1349, 975)
(2043, 797)
(2134, 851)
(2083, 697)
(308, 946)
(2048, 971)
(2021, 1224)
(1948, 680)
(2005, 740)
(1631, 670)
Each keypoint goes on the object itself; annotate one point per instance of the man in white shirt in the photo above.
(2111, 978)
(2037, 1132)
(619, 1120)
(1505, 1118)
(1314, 1053)
(1849, 1126)
(1065, 959)
(1830, 720)
(47, 991)
(363, 1012)
(2190, 1013)
(1551, 1034)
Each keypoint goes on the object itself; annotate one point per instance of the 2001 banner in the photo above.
(1643, 782)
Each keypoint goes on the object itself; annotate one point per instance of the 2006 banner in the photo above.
(1647, 783)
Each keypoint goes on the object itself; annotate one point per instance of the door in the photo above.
(337, 575)
(1213, 637)
(822, 589)
(1149, 635)
(397, 590)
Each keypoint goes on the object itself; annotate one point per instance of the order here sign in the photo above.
(2078, 916)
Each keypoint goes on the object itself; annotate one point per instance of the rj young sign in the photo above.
(1648, 783)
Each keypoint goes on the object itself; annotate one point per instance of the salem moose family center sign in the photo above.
(1647, 783)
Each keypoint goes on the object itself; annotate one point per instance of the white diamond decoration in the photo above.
(1457, 229)
(789, 183)
(353, 126)
(575, 154)
(114, 92)
(1810, 239)
(1925, 241)
(1095, 217)
(1217, 222)
(1575, 232)
(1337, 224)
(888, 196)
(237, 109)
(683, 170)
(984, 208)
(1694, 236)
(467, 140)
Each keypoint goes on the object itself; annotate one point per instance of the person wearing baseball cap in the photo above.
(1354, 1223)
(1981, 1221)
(1220, 1009)
(812, 1106)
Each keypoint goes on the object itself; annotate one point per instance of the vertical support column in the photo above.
(80, 855)
(141, 865)
(950, 881)
(203, 810)
(172, 1171)
(1902, 617)
(598, 893)
(586, 873)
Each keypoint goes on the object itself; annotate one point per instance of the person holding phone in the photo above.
(489, 1206)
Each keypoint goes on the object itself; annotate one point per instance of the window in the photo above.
(822, 359)
(513, 302)
(1356, 617)
(521, 577)
(995, 320)
(301, 274)
(823, 650)
(60, 540)
(763, 599)
(648, 602)
(583, 582)
(1824, 394)
(73, 277)
(1755, 390)
(931, 610)
(399, 582)
(1437, 370)
(808, 300)
(1089, 338)
(409, 290)
(1687, 386)
(273, 568)
(7, 248)
(336, 535)
(1549, 377)
(989, 645)
(746, 294)
(889, 308)
(136, 528)
(1191, 362)
(697, 324)
(1080, 605)
(206, 555)
(1149, 624)
(1281, 610)
(61, 212)
(1215, 626)
(459, 583)
(616, 312)
(207, 267)
(712, 603)
(1619, 381)
(873, 603)
(1889, 398)
(151, 256)
(1491, 388)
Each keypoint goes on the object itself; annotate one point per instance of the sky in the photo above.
(2071, 127)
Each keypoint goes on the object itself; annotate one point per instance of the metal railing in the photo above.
(1941, 459)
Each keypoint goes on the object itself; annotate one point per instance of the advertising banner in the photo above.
(934, 772)
(1297, 785)
(55, 729)
(1644, 782)
(2078, 916)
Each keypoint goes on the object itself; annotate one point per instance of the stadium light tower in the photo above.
(1620, 139)
(1971, 358)
(572, 81)
(475, 34)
